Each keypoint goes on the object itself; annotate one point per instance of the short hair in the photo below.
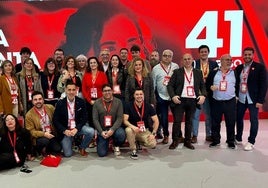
(37, 93)
(248, 49)
(59, 49)
(203, 46)
(106, 85)
(138, 89)
(25, 50)
(135, 48)
(123, 49)
(69, 82)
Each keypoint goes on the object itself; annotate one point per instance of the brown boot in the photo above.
(181, 140)
(165, 140)
(83, 152)
(194, 139)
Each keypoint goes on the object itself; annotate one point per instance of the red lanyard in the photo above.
(224, 74)
(204, 70)
(43, 118)
(166, 71)
(12, 83)
(70, 110)
(114, 76)
(107, 107)
(13, 143)
(50, 81)
(139, 81)
(73, 79)
(245, 74)
(29, 82)
(137, 110)
(188, 79)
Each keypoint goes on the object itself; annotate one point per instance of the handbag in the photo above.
(51, 161)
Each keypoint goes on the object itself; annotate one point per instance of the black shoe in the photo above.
(214, 144)
(189, 145)
(174, 145)
(231, 145)
(159, 136)
(138, 146)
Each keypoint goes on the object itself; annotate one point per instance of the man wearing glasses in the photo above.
(108, 113)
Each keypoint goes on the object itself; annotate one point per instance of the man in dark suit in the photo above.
(70, 120)
(251, 89)
(186, 88)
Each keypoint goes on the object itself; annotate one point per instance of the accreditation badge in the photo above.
(166, 80)
(94, 93)
(243, 88)
(50, 94)
(190, 91)
(107, 121)
(141, 126)
(223, 86)
(116, 89)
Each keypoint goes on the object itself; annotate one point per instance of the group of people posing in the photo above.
(114, 100)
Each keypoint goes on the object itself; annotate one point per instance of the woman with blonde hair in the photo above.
(139, 77)
(29, 81)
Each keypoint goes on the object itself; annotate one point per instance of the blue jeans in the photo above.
(162, 111)
(86, 131)
(118, 137)
(206, 109)
(254, 123)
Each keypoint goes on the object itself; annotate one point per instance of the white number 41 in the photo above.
(209, 21)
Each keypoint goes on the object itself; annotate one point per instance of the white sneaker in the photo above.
(248, 147)
(238, 142)
(117, 151)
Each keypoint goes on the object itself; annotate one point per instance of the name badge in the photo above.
(47, 128)
(243, 88)
(141, 126)
(190, 91)
(107, 121)
(14, 98)
(13, 87)
(50, 94)
(94, 93)
(72, 124)
(16, 157)
(116, 89)
(223, 86)
(166, 80)
(30, 95)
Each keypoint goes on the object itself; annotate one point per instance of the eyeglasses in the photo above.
(165, 55)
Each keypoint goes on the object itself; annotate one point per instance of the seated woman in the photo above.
(15, 143)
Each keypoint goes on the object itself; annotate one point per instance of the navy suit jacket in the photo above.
(60, 117)
(256, 82)
(211, 65)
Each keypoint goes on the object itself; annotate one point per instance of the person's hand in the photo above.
(213, 88)
(135, 129)
(48, 135)
(104, 134)
(110, 133)
(176, 99)
(73, 132)
(201, 99)
(259, 105)
(151, 137)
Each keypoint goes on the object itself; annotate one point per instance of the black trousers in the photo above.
(226, 108)
(187, 107)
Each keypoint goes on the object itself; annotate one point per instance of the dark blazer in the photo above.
(176, 83)
(256, 83)
(60, 117)
(211, 65)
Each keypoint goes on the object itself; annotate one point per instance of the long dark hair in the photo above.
(17, 124)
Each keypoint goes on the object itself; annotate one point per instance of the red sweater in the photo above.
(87, 84)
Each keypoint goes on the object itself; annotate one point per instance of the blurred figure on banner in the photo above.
(101, 27)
